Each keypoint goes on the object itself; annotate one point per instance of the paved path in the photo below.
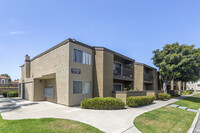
(111, 121)
(197, 127)
(7, 106)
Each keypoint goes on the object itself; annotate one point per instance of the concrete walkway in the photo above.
(197, 127)
(111, 121)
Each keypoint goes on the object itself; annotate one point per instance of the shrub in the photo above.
(102, 103)
(188, 92)
(191, 91)
(5, 93)
(139, 100)
(10, 93)
(163, 96)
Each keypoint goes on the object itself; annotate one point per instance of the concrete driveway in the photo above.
(111, 121)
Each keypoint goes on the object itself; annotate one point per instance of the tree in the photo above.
(177, 62)
(6, 75)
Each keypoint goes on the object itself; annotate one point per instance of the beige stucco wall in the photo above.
(103, 74)
(29, 89)
(98, 73)
(108, 74)
(86, 75)
(154, 93)
(124, 94)
(22, 72)
(138, 77)
(39, 90)
(55, 61)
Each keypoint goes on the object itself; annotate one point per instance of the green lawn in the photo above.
(197, 95)
(190, 102)
(45, 125)
(165, 120)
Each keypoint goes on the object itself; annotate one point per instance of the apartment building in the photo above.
(72, 71)
(146, 79)
(194, 85)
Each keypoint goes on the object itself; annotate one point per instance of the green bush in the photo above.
(163, 96)
(5, 93)
(191, 91)
(188, 92)
(102, 103)
(139, 100)
(10, 93)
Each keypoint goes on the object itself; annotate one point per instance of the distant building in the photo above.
(193, 85)
(3, 80)
(15, 82)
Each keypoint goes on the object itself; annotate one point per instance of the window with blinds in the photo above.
(82, 57)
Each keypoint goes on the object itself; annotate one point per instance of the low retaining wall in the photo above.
(9, 85)
(154, 93)
(175, 92)
(7, 89)
(124, 94)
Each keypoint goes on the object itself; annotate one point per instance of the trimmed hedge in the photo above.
(10, 93)
(139, 100)
(163, 96)
(102, 103)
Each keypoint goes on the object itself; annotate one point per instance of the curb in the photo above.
(194, 122)
(14, 102)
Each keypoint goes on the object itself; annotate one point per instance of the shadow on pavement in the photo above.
(28, 104)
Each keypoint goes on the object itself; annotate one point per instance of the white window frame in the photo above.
(117, 84)
(83, 85)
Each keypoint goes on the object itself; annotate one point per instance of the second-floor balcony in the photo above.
(123, 73)
(148, 77)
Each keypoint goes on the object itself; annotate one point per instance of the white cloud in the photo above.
(17, 32)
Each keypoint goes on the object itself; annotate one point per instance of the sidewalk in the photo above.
(111, 121)
(197, 127)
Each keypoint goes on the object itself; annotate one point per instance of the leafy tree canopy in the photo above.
(178, 62)
(6, 75)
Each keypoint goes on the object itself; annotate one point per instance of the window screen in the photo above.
(87, 88)
(86, 58)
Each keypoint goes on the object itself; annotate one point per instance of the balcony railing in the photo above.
(148, 77)
(125, 73)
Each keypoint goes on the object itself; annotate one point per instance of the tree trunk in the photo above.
(165, 87)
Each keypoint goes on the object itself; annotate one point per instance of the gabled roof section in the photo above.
(3, 77)
(81, 44)
(118, 54)
(59, 45)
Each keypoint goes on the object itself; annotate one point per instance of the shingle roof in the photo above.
(3, 77)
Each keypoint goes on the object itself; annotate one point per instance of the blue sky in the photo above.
(131, 27)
